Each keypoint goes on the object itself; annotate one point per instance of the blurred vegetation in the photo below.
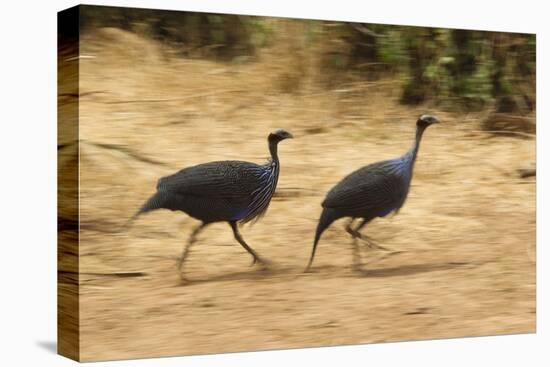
(454, 69)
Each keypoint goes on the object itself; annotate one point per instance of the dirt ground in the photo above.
(466, 232)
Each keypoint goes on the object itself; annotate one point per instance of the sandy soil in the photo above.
(467, 231)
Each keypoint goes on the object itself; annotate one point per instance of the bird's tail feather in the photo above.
(327, 217)
(156, 201)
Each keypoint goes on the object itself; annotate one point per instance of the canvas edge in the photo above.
(68, 305)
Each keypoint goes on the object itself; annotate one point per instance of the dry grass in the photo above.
(467, 229)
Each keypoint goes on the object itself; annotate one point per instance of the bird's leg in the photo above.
(371, 243)
(361, 225)
(355, 233)
(238, 237)
(192, 240)
(356, 254)
(368, 240)
(355, 245)
(350, 230)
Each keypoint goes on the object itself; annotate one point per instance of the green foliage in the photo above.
(460, 72)
(391, 48)
(260, 32)
(459, 68)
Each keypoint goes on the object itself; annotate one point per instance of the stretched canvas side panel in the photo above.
(68, 324)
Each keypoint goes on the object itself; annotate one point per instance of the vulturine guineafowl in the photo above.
(223, 191)
(373, 191)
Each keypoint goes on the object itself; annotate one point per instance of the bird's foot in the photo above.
(258, 260)
(384, 256)
(308, 267)
(375, 246)
(262, 262)
(183, 279)
(392, 253)
(357, 267)
(370, 243)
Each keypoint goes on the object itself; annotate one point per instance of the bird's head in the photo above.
(278, 135)
(426, 120)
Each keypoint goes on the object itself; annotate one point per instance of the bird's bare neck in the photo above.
(413, 152)
(273, 152)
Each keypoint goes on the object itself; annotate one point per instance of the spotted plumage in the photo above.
(230, 191)
(373, 191)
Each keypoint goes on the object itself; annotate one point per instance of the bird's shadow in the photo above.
(253, 274)
(410, 269)
(288, 273)
(363, 270)
(48, 345)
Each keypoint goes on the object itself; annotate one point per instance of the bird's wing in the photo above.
(373, 188)
(223, 179)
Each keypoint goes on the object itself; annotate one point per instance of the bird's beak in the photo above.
(289, 136)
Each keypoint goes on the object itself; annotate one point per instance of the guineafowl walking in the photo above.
(224, 191)
(372, 191)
